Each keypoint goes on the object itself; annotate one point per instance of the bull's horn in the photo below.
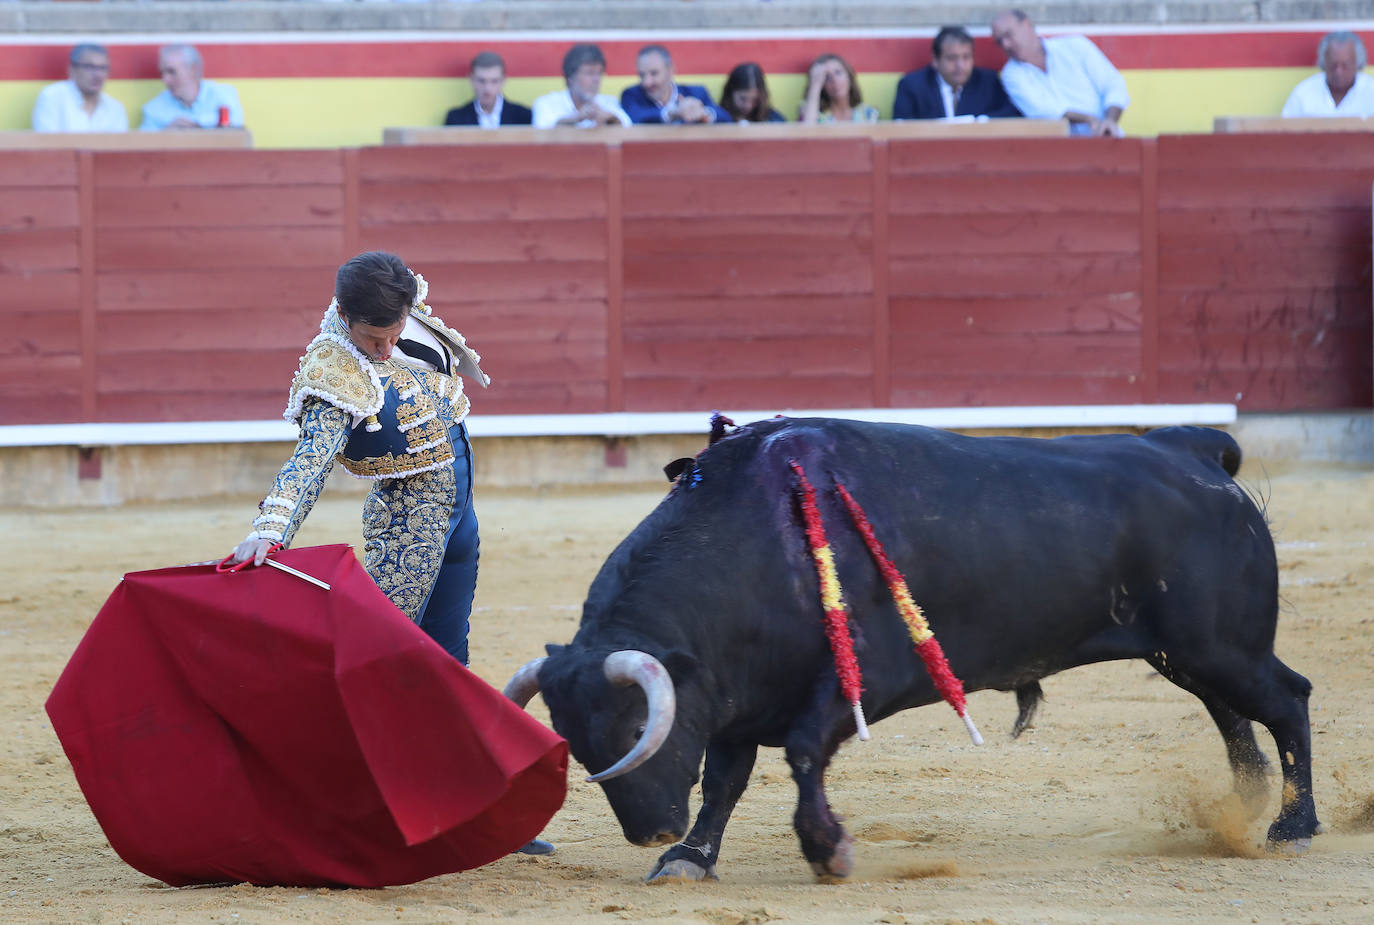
(630, 666)
(524, 684)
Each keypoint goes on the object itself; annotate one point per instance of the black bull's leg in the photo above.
(810, 745)
(728, 765)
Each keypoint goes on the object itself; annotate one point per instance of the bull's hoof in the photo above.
(1295, 847)
(840, 864)
(680, 870)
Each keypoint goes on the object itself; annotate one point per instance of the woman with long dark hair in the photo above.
(745, 96)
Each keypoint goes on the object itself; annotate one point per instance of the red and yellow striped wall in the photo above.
(342, 89)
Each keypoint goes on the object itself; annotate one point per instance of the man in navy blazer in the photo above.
(950, 85)
(489, 107)
(658, 98)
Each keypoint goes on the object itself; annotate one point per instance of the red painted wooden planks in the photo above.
(1311, 152)
(1018, 354)
(36, 207)
(192, 404)
(482, 163)
(517, 396)
(542, 240)
(997, 275)
(455, 284)
(23, 169)
(774, 194)
(748, 318)
(155, 370)
(1017, 156)
(985, 388)
(1205, 189)
(565, 319)
(727, 158)
(211, 168)
(1047, 233)
(219, 206)
(45, 331)
(232, 327)
(38, 251)
(1069, 313)
(24, 291)
(746, 275)
(404, 201)
(143, 249)
(820, 354)
(775, 390)
(1253, 227)
(1263, 267)
(307, 288)
(741, 237)
(975, 193)
(1203, 310)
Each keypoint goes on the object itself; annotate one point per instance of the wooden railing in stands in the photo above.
(751, 271)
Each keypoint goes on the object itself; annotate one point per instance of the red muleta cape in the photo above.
(254, 727)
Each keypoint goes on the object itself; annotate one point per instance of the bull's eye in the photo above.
(639, 732)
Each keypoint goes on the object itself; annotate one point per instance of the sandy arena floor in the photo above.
(1113, 809)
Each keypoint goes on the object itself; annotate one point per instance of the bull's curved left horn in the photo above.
(524, 684)
(630, 666)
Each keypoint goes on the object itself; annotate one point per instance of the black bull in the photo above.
(1028, 556)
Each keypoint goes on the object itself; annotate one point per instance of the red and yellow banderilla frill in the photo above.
(837, 617)
(832, 601)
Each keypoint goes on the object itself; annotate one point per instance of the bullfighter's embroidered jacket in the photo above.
(382, 419)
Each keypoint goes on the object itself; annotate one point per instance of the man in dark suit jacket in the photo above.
(489, 107)
(659, 98)
(950, 85)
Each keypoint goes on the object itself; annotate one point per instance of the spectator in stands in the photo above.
(659, 99)
(745, 97)
(1064, 77)
(580, 104)
(189, 101)
(1342, 89)
(833, 95)
(80, 103)
(489, 107)
(950, 85)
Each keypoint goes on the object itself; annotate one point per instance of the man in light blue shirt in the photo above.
(1064, 77)
(189, 101)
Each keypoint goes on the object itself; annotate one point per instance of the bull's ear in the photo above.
(682, 666)
(553, 648)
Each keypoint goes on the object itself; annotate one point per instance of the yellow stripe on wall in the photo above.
(337, 112)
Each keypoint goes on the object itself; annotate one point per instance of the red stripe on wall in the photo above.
(696, 56)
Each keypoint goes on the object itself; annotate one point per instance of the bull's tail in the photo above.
(1206, 443)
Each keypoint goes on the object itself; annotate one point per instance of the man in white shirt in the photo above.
(79, 103)
(1342, 89)
(190, 101)
(1064, 77)
(580, 104)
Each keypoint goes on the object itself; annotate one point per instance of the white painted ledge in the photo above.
(631, 424)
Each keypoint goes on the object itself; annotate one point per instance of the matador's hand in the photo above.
(255, 549)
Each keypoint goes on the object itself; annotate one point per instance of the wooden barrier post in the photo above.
(1149, 270)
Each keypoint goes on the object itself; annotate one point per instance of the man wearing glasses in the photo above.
(79, 103)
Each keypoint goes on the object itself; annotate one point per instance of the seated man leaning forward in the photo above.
(489, 107)
(580, 104)
(950, 85)
(1342, 89)
(80, 103)
(1064, 77)
(189, 101)
(659, 98)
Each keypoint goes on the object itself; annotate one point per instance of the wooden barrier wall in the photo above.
(669, 276)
